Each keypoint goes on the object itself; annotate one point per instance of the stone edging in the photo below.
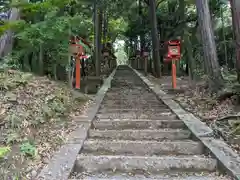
(225, 155)
(62, 163)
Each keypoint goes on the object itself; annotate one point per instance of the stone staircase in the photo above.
(136, 136)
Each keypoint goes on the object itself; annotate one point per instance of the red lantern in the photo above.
(173, 55)
(145, 53)
(174, 49)
(74, 47)
(138, 53)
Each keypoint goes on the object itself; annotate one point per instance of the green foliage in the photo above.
(46, 24)
(28, 149)
(4, 151)
(45, 29)
(116, 27)
(13, 25)
(13, 137)
(12, 79)
(172, 25)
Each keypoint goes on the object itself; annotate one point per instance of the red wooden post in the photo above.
(174, 74)
(78, 72)
(79, 58)
(174, 54)
(77, 50)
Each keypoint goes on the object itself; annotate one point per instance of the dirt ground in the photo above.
(223, 117)
(36, 116)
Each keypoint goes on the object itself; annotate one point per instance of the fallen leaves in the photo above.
(197, 99)
(35, 118)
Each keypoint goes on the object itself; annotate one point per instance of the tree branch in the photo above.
(159, 3)
(179, 23)
(147, 2)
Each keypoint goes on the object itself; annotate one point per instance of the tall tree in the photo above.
(97, 37)
(142, 44)
(105, 27)
(155, 37)
(235, 5)
(209, 45)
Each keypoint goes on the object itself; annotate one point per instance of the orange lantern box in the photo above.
(74, 47)
(145, 53)
(174, 49)
(138, 53)
(173, 55)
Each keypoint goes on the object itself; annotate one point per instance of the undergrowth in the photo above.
(35, 118)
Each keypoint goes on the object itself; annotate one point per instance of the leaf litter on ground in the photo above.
(222, 116)
(36, 115)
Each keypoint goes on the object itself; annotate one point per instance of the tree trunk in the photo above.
(135, 45)
(155, 37)
(105, 27)
(209, 46)
(181, 18)
(97, 38)
(70, 68)
(236, 26)
(233, 18)
(26, 64)
(100, 24)
(224, 37)
(142, 40)
(191, 63)
(6, 40)
(40, 61)
(55, 71)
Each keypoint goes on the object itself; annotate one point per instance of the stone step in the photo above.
(142, 103)
(140, 97)
(118, 124)
(127, 110)
(137, 100)
(143, 94)
(130, 176)
(147, 115)
(131, 101)
(123, 94)
(137, 97)
(127, 92)
(91, 163)
(129, 134)
(123, 147)
(128, 106)
(129, 87)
